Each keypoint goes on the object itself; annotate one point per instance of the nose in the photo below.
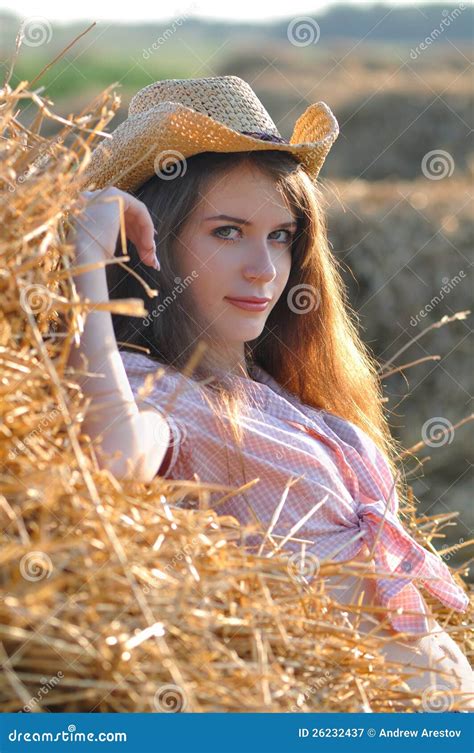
(262, 266)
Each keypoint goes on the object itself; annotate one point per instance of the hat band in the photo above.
(264, 136)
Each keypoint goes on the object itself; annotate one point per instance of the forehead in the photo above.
(244, 192)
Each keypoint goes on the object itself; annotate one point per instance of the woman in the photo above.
(285, 395)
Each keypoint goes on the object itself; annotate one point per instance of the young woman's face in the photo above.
(245, 253)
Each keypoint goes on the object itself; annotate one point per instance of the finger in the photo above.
(149, 257)
(146, 231)
(140, 230)
(145, 244)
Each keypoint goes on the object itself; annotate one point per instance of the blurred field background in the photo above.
(398, 179)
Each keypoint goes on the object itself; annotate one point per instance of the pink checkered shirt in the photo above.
(339, 474)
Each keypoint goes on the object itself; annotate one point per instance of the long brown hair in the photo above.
(310, 343)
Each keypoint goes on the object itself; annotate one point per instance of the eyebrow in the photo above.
(245, 222)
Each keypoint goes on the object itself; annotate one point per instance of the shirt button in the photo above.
(407, 566)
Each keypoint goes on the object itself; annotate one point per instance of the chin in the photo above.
(238, 333)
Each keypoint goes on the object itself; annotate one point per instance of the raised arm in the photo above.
(130, 442)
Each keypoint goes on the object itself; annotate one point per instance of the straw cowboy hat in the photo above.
(171, 120)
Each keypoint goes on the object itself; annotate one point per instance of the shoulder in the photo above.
(164, 387)
(140, 362)
(143, 369)
(155, 384)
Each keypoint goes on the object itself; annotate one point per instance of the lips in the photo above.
(249, 304)
(249, 299)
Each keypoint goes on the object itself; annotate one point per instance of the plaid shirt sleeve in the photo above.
(138, 368)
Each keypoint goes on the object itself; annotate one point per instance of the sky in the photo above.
(140, 10)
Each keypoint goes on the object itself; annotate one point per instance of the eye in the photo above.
(289, 236)
(224, 237)
(222, 233)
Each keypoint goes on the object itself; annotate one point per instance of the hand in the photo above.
(99, 224)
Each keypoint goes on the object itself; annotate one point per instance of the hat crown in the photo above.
(227, 99)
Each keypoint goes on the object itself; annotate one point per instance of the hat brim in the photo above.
(147, 143)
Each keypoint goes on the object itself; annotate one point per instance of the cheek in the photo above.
(208, 288)
(213, 280)
(215, 266)
(284, 268)
(205, 257)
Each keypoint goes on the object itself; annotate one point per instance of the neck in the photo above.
(231, 363)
